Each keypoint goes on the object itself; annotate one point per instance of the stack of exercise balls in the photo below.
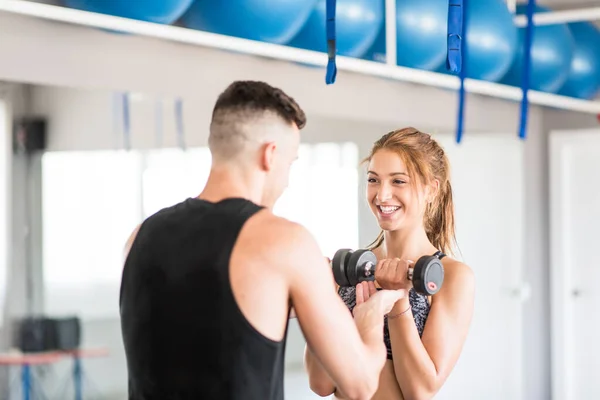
(565, 58)
(421, 27)
(272, 21)
(357, 24)
(551, 53)
(158, 11)
(583, 78)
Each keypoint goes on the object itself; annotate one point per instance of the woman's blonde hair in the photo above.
(425, 160)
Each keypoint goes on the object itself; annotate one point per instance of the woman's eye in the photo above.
(399, 182)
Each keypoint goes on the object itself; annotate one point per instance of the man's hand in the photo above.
(371, 306)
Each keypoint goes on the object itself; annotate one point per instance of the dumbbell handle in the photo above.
(370, 270)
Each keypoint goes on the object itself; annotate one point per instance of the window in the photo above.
(322, 194)
(93, 200)
(91, 204)
(173, 175)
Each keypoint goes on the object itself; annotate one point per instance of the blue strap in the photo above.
(331, 46)
(455, 36)
(126, 121)
(526, 73)
(463, 70)
(179, 123)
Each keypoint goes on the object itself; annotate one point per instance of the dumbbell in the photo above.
(350, 267)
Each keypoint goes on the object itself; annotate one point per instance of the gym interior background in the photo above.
(104, 121)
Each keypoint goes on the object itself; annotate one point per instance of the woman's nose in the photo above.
(384, 193)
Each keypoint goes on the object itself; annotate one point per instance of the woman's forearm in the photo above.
(415, 371)
(318, 378)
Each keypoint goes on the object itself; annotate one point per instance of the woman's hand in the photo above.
(393, 274)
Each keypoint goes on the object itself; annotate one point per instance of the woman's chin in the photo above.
(388, 225)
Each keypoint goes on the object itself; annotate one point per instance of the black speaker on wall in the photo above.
(29, 134)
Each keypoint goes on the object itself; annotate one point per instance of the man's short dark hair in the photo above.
(256, 96)
(240, 113)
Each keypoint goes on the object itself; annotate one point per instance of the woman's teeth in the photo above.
(388, 209)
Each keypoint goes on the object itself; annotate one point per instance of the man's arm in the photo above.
(292, 311)
(353, 360)
(319, 380)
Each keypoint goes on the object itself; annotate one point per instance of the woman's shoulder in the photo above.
(457, 273)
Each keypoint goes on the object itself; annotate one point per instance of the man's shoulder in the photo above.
(278, 228)
(276, 234)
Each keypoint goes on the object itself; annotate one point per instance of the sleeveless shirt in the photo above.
(183, 333)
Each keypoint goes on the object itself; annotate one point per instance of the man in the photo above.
(208, 284)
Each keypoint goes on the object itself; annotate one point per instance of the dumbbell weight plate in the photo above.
(355, 270)
(428, 275)
(338, 264)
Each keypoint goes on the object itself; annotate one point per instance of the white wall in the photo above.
(93, 64)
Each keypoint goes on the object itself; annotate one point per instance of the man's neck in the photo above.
(224, 183)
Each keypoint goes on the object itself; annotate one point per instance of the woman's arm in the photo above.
(422, 365)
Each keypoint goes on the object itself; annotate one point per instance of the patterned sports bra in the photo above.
(418, 302)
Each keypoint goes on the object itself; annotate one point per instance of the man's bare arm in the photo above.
(292, 311)
(354, 364)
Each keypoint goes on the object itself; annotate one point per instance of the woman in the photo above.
(409, 193)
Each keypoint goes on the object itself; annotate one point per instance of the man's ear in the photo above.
(267, 156)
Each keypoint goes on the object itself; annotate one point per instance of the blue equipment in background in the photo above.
(492, 39)
(377, 51)
(158, 11)
(455, 36)
(526, 67)
(551, 53)
(430, 35)
(422, 37)
(583, 78)
(421, 33)
(272, 21)
(357, 23)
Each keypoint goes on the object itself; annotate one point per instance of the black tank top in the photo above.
(184, 335)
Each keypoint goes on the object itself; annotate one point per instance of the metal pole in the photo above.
(390, 32)
(561, 17)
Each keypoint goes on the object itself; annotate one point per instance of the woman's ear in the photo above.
(433, 189)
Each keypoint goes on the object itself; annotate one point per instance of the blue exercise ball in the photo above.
(357, 24)
(273, 21)
(157, 11)
(583, 79)
(422, 27)
(377, 51)
(551, 53)
(421, 31)
(491, 39)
